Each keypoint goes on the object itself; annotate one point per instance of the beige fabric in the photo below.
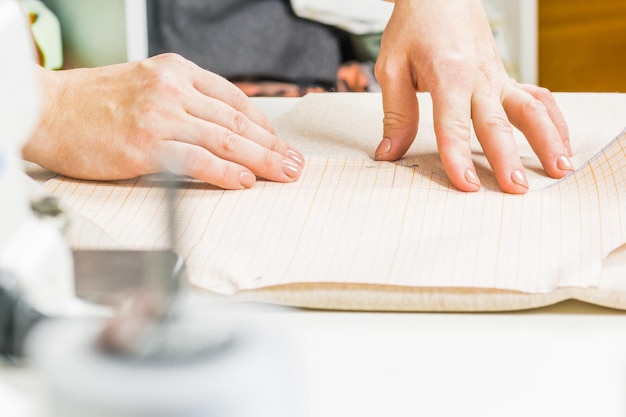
(348, 125)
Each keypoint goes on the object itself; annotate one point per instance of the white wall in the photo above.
(520, 20)
(136, 30)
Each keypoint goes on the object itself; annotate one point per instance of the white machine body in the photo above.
(19, 113)
(31, 250)
(253, 373)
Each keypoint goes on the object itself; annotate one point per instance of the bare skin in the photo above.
(122, 121)
(448, 50)
(117, 122)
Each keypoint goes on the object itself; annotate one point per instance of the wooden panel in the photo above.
(582, 45)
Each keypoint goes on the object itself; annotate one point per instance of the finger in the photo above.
(401, 112)
(186, 159)
(220, 113)
(213, 85)
(532, 118)
(451, 117)
(495, 134)
(554, 111)
(230, 146)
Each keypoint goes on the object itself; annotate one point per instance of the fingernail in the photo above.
(291, 169)
(246, 179)
(564, 164)
(470, 176)
(384, 147)
(295, 156)
(518, 178)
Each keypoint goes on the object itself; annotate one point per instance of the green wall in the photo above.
(94, 32)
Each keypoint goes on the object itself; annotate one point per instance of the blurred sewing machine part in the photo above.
(165, 353)
(35, 259)
(110, 276)
(153, 321)
(161, 355)
(114, 278)
(258, 373)
(17, 318)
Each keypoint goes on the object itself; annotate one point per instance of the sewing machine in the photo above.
(177, 360)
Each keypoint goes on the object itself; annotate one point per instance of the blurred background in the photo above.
(282, 47)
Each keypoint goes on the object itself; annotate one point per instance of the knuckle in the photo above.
(228, 142)
(276, 144)
(544, 95)
(459, 128)
(393, 119)
(454, 130)
(197, 166)
(171, 59)
(380, 69)
(268, 161)
(239, 99)
(385, 70)
(164, 77)
(192, 162)
(499, 123)
(239, 122)
(533, 109)
(223, 176)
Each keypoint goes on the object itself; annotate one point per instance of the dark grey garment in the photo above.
(246, 39)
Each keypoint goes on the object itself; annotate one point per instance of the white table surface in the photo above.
(567, 360)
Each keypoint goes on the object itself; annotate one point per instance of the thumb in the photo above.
(401, 111)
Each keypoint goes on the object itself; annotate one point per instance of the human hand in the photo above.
(447, 48)
(121, 121)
